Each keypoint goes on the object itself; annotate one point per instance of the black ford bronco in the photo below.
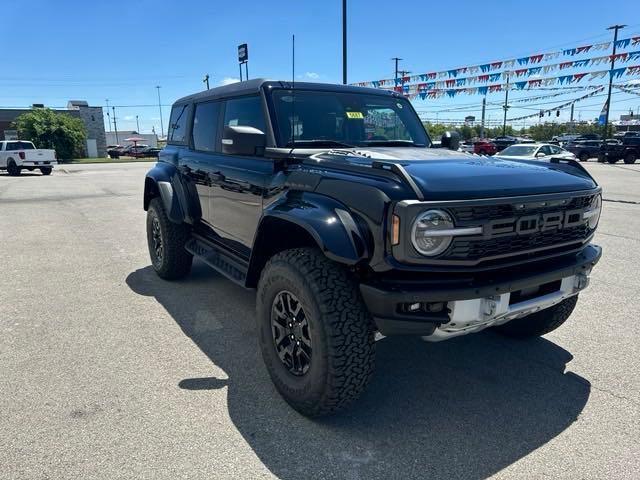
(332, 203)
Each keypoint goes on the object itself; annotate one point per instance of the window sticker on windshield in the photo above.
(354, 115)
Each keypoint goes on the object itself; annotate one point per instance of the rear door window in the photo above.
(205, 126)
(177, 133)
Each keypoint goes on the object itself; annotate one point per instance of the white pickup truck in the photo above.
(16, 155)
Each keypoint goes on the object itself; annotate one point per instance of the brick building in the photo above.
(96, 145)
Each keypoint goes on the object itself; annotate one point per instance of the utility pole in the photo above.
(115, 126)
(505, 107)
(615, 29)
(403, 74)
(484, 108)
(344, 42)
(573, 127)
(396, 75)
(108, 116)
(160, 108)
(137, 124)
(206, 80)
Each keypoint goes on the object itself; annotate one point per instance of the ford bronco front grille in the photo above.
(503, 236)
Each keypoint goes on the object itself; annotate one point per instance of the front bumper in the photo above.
(477, 304)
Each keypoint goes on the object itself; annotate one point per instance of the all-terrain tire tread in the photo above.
(177, 261)
(349, 331)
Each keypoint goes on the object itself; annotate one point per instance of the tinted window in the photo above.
(545, 149)
(205, 126)
(20, 146)
(245, 111)
(178, 124)
(555, 149)
(518, 151)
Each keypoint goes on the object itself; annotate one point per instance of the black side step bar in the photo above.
(225, 263)
(400, 171)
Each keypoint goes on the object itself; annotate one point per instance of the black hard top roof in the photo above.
(253, 86)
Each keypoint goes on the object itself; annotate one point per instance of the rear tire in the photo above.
(612, 160)
(13, 169)
(584, 156)
(46, 170)
(167, 240)
(629, 158)
(315, 333)
(539, 323)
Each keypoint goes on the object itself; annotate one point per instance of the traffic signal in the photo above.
(541, 113)
(557, 113)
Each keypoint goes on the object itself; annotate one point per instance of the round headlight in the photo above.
(594, 212)
(426, 234)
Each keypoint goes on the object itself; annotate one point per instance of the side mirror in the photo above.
(243, 140)
(540, 154)
(450, 140)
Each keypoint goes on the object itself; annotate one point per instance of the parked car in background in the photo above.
(626, 149)
(505, 141)
(116, 151)
(584, 149)
(589, 136)
(135, 151)
(565, 137)
(16, 155)
(484, 147)
(534, 151)
(151, 152)
(465, 147)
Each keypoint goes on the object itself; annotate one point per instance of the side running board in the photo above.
(225, 263)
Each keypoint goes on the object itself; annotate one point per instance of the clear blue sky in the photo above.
(58, 50)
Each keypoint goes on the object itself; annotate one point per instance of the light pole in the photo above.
(160, 108)
(108, 116)
(137, 124)
(615, 29)
(206, 80)
(344, 42)
(115, 126)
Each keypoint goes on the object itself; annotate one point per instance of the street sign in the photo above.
(243, 53)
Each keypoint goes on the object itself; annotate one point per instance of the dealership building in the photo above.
(96, 144)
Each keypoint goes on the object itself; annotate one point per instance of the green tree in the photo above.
(49, 129)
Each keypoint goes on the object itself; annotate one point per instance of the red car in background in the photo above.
(484, 147)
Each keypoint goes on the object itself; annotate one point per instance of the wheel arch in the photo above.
(163, 180)
(311, 220)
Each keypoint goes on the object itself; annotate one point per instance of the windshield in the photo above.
(341, 119)
(519, 151)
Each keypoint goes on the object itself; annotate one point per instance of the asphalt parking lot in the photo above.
(106, 371)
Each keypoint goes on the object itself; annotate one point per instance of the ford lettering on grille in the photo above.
(529, 224)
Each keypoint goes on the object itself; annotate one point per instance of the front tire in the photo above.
(629, 158)
(584, 156)
(314, 331)
(612, 160)
(167, 240)
(539, 323)
(46, 170)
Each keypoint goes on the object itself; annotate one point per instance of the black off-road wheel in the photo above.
(46, 170)
(630, 158)
(166, 242)
(13, 169)
(541, 322)
(584, 156)
(315, 333)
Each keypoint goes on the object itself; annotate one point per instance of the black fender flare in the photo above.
(330, 223)
(164, 180)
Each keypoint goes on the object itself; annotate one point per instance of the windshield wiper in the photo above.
(393, 143)
(317, 143)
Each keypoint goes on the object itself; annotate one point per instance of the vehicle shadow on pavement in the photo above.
(466, 408)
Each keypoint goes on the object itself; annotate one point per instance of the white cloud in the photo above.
(229, 80)
(129, 117)
(312, 75)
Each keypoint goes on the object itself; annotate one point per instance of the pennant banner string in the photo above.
(511, 63)
(559, 107)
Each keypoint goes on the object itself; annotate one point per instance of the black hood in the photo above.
(448, 175)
